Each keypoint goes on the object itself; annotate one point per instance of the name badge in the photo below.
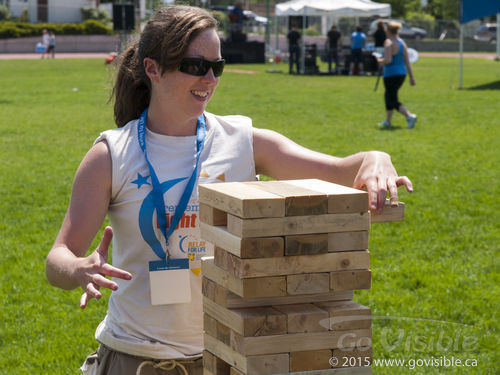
(170, 281)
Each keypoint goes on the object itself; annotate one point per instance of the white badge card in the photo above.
(170, 281)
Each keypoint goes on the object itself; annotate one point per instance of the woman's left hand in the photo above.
(378, 175)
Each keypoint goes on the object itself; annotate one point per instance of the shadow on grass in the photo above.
(390, 128)
(487, 86)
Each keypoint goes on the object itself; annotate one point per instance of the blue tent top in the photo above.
(472, 9)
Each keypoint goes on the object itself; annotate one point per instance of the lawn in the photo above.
(436, 276)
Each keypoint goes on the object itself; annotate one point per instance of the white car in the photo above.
(405, 32)
(486, 33)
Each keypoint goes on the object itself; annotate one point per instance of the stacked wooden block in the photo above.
(278, 293)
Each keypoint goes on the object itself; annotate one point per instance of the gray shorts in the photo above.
(106, 361)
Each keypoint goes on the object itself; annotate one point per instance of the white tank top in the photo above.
(132, 325)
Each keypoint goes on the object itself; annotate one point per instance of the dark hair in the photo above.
(165, 39)
(358, 28)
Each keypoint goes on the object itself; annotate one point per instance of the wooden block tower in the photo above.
(278, 292)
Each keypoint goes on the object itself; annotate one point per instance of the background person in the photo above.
(396, 66)
(51, 50)
(45, 41)
(358, 40)
(236, 17)
(293, 37)
(379, 37)
(334, 42)
(164, 141)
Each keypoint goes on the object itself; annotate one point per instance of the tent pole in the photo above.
(303, 54)
(461, 52)
(498, 37)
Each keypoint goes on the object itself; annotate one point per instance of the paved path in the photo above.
(61, 55)
(478, 55)
(103, 55)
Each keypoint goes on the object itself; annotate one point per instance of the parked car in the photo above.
(487, 33)
(406, 31)
(249, 16)
(254, 18)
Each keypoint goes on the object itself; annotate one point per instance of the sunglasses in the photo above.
(199, 67)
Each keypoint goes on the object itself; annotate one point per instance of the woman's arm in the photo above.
(387, 59)
(66, 264)
(278, 157)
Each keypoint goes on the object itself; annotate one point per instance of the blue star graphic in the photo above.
(141, 180)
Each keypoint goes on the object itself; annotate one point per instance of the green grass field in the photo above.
(436, 276)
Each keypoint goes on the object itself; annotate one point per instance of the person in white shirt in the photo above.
(45, 42)
(164, 145)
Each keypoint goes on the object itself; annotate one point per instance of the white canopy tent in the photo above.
(337, 8)
(331, 8)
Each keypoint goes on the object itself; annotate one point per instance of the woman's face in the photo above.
(187, 95)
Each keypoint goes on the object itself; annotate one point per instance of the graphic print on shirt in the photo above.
(183, 243)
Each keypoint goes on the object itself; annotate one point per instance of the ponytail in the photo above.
(132, 88)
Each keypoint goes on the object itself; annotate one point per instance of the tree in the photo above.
(443, 9)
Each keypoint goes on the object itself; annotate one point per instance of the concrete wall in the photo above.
(80, 43)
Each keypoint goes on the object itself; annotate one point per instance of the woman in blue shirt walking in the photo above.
(396, 66)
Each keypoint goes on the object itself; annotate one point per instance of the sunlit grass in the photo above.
(435, 276)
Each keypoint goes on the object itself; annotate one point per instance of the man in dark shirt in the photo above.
(293, 48)
(334, 41)
(379, 36)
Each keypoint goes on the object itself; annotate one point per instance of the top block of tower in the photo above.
(262, 199)
(274, 199)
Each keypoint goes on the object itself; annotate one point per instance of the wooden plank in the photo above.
(273, 286)
(214, 364)
(253, 247)
(208, 288)
(234, 301)
(298, 200)
(292, 225)
(336, 371)
(255, 321)
(209, 325)
(348, 241)
(351, 280)
(310, 360)
(225, 353)
(389, 213)
(268, 364)
(241, 200)
(296, 342)
(223, 333)
(235, 371)
(332, 371)
(212, 216)
(306, 244)
(347, 315)
(308, 283)
(255, 365)
(341, 199)
(352, 357)
(304, 318)
(290, 265)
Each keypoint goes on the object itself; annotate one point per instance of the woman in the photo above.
(164, 145)
(396, 66)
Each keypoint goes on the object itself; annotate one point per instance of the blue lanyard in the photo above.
(157, 191)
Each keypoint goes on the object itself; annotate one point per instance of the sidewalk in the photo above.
(61, 55)
(103, 55)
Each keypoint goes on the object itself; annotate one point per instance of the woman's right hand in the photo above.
(92, 271)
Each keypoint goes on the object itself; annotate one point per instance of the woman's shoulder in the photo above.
(113, 135)
(228, 120)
